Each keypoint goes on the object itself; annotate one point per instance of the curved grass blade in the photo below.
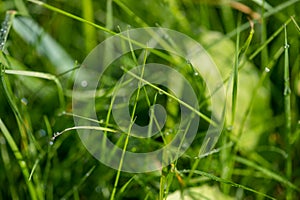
(20, 159)
(83, 127)
(225, 181)
(43, 76)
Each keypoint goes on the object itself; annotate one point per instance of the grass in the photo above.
(255, 45)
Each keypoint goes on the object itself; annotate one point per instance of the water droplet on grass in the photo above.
(287, 91)
(286, 46)
(24, 101)
(51, 143)
(42, 132)
(267, 69)
(84, 83)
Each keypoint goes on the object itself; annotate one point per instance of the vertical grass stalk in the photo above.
(89, 31)
(287, 111)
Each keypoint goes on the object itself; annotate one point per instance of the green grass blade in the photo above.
(23, 127)
(83, 127)
(89, 31)
(71, 16)
(132, 120)
(42, 76)
(280, 7)
(287, 111)
(264, 76)
(235, 76)
(7, 169)
(173, 97)
(113, 193)
(77, 186)
(5, 28)
(296, 24)
(20, 159)
(225, 181)
(109, 15)
(270, 39)
(131, 13)
(123, 188)
(22, 9)
(264, 54)
(267, 172)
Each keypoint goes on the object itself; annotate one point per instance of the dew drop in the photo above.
(267, 69)
(98, 189)
(24, 101)
(287, 91)
(51, 143)
(84, 83)
(42, 132)
(286, 46)
(196, 74)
